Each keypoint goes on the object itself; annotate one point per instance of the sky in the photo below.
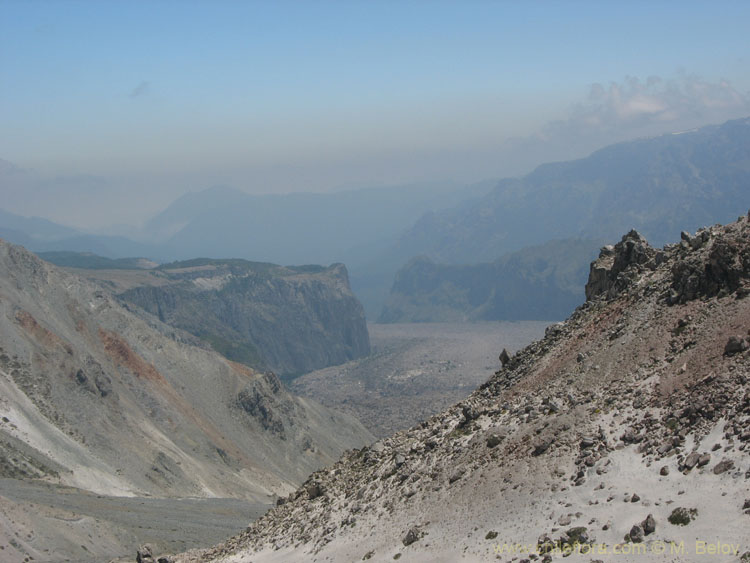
(110, 110)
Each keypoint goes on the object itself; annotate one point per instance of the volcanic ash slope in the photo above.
(624, 432)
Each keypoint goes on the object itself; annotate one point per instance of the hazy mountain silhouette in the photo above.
(656, 185)
(543, 282)
(294, 228)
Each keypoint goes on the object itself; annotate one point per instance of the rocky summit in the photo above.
(623, 434)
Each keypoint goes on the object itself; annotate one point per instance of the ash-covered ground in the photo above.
(416, 370)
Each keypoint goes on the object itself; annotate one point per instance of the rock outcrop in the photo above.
(621, 264)
(722, 267)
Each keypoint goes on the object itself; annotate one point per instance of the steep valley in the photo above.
(98, 400)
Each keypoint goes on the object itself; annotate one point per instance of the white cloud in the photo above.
(620, 111)
(635, 104)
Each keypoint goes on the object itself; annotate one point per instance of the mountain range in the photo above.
(657, 185)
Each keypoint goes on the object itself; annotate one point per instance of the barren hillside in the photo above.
(624, 432)
(96, 398)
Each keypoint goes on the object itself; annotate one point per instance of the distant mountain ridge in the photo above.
(656, 185)
(34, 228)
(537, 283)
(291, 228)
(222, 222)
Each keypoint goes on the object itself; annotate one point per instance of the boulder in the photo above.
(691, 460)
(723, 466)
(493, 440)
(636, 534)
(504, 357)
(542, 447)
(314, 490)
(411, 536)
(144, 554)
(735, 345)
(649, 525)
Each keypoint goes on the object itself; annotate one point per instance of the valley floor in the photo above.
(416, 370)
(54, 523)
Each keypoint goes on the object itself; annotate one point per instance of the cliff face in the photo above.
(624, 432)
(291, 320)
(95, 397)
(537, 283)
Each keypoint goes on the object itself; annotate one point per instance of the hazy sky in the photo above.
(111, 109)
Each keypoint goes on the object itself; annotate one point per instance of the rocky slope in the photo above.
(95, 397)
(288, 319)
(624, 432)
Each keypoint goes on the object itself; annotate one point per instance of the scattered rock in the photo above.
(587, 442)
(542, 447)
(493, 440)
(649, 525)
(411, 536)
(579, 534)
(691, 460)
(456, 475)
